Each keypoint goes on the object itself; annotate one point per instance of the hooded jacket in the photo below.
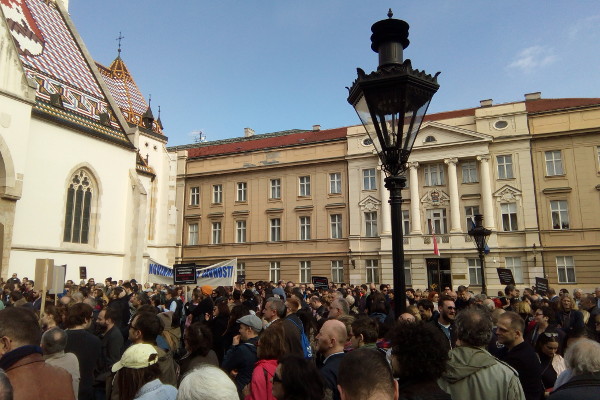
(261, 385)
(473, 373)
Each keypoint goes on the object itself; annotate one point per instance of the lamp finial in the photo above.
(390, 13)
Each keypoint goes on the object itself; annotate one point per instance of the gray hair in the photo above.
(207, 382)
(583, 357)
(489, 304)
(6, 389)
(343, 305)
(474, 326)
(277, 305)
(54, 341)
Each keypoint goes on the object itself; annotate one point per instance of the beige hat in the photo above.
(136, 357)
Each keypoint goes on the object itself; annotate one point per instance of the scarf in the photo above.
(17, 354)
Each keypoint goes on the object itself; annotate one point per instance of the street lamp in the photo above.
(480, 236)
(391, 104)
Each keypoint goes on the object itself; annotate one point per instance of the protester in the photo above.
(444, 321)
(552, 362)
(583, 359)
(568, 317)
(198, 341)
(112, 348)
(297, 378)
(53, 345)
(373, 380)
(330, 344)
(206, 382)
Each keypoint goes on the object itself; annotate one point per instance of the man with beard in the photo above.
(112, 348)
(445, 320)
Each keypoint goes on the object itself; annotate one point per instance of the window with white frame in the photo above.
(216, 232)
(469, 172)
(371, 224)
(566, 269)
(337, 271)
(554, 165)
(240, 231)
(274, 271)
(242, 191)
(369, 179)
(192, 234)
(305, 274)
(275, 185)
(305, 228)
(275, 229)
(372, 269)
(514, 264)
(434, 174)
(407, 273)
(505, 166)
(240, 269)
(335, 183)
(336, 226)
(437, 221)
(474, 271)
(405, 222)
(560, 214)
(304, 189)
(470, 212)
(509, 217)
(217, 194)
(194, 196)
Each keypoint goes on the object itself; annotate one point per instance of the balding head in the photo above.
(332, 337)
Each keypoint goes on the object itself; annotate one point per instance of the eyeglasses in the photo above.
(550, 334)
(276, 379)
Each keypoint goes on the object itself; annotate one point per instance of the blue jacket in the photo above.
(241, 358)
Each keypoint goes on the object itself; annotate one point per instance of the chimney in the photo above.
(533, 96)
(248, 132)
(485, 103)
(316, 128)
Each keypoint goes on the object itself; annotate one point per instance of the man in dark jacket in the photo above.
(330, 343)
(112, 348)
(240, 359)
(444, 321)
(582, 359)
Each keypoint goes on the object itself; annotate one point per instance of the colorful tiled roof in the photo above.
(541, 105)
(126, 93)
(253, 143)
(53, 58)
(143, 167)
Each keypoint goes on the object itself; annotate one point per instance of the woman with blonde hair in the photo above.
(568, 317)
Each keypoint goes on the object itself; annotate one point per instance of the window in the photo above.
(242, 188)
(469, 172)
(474, 271)
(505, 170)
(241, 269)
(304, 186)
(336, 226)
(371, 224)
(217, 194)
(554, 164)
(509, 217)
(405, 222)
(566, 269)
(192, 234)
(434, 174)
(216, 233)
(275, 188)
(335, 183)
(78, 210)
(560, 214)
(305, 272)
(369, 179)
(194, 196)
(337, 271)
(240, 231)
(598, 155)
(514, 264)
(274, 271)
(407, 273)
(470, 213)
(304, 228)
(372, 268)
(436, 220)
(275, 229)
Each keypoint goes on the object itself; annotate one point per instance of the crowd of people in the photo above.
(281, 340)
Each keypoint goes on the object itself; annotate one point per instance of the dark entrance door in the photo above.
(438, 273)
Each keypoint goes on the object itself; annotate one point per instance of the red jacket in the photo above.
(261, 385)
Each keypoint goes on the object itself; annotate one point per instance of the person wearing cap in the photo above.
(139, 373)
(239, 361)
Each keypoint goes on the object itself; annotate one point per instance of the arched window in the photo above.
(430, 139)
(78, 211)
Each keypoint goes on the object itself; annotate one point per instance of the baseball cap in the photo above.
(252, 321)
(136, 357)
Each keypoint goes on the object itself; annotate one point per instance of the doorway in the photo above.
(438, 273)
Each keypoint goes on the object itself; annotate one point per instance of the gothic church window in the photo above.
(78, 211)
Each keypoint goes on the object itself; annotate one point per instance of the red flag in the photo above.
(436, 250)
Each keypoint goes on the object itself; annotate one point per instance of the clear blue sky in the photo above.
(221, 66)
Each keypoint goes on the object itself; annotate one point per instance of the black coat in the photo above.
(525, 361)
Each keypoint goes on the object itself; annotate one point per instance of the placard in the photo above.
(506, 276)
(58, 279)
(44, 269)
(184, 274)
(320, 282)
(82, 272)
(541, 284)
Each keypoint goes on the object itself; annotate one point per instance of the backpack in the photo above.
(304, 341)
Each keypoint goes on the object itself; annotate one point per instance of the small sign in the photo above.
(241, 279)
(58, 279)
(541, 284)
(82, 273)
(506, 276)
(320, 282)
(184, 274)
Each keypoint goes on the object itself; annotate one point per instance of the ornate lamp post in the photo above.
(480, 236)
(391, 104)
